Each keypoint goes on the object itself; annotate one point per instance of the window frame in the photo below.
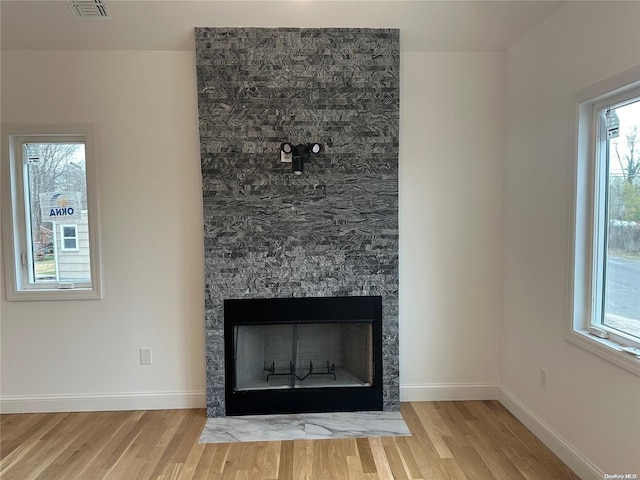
(14, 220)
(587, 235)
(63, 237)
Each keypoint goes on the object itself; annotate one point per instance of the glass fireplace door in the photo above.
(303, 355)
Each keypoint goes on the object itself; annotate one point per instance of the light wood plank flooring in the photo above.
(472, 440)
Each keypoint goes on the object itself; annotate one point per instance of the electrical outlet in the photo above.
(543, 378)
(145, 356)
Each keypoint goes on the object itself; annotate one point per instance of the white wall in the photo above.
(590, 406)
(456, 233)
(451, 108)
(62, 355)
(84, 354)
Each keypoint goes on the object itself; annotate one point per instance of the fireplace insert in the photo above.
(303, 355)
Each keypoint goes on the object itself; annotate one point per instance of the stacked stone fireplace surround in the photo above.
(332, 231)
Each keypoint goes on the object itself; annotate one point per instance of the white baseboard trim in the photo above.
(552, 439)
(448, 392)
(102, 402)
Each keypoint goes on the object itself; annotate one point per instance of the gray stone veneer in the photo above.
(332, 231)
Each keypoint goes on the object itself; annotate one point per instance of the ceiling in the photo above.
(450, 25)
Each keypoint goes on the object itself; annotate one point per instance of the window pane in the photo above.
(621, 306)
(57, 193)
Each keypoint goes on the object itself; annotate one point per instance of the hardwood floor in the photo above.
(472, 440)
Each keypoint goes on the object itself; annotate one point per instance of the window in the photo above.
(69, 238)
(618, 217)
(606, 243)
(50, 214)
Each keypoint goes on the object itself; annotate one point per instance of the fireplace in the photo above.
(303, 355)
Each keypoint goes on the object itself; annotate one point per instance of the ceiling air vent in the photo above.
(89, 9)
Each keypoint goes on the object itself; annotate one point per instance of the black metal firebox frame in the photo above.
(265, 311)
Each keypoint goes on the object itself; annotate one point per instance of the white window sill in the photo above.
(605, 348)
(54, 294)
